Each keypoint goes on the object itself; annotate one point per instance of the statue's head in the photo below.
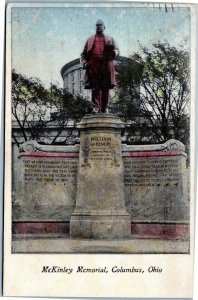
(100, 27)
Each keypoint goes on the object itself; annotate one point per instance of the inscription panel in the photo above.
(54, 171)
(155, 189)
(47, 189)
(101, 148)
(151, 172)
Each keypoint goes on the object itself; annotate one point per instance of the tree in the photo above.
(29, 106)
(36, 108)
(68, 109)
(163, 76)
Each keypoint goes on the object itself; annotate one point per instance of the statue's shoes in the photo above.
(95, 110)
(106, 111)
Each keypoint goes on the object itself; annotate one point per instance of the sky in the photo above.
(44, 39)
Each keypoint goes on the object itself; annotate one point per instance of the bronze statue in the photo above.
(97, 59)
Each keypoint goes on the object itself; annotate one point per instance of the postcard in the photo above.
(99, 150)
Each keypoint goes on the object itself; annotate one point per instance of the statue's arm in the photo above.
(112, 48)
(116, 49)
(83, 56)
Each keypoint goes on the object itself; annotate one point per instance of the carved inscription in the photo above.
(104, 148)
(151, 172)
(60, 171)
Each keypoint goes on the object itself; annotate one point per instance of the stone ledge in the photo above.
(33, 146)
(49, 154)
(141, 230)
(170, 145)
(39, 227)
(168, 231)
(132, 246)
(102, 120)
(169, 153)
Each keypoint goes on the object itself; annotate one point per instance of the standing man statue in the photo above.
(97, 59)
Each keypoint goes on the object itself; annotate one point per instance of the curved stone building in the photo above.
(73, 74)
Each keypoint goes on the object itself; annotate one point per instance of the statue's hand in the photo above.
(110, 46)
(85, 66)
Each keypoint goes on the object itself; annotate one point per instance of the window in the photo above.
(81, 74)
(73, 88)
(66, 81)
(72, 77)
(81, 87)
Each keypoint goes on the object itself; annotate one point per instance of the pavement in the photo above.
(64, 244)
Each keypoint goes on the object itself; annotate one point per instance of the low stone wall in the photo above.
(155, 181)
(44, 188)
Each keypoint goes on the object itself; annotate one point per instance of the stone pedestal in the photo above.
(100, 211)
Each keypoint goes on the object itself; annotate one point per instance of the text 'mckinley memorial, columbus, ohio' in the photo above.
(102, 188)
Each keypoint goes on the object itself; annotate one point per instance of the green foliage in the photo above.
(29, 105)
(36, 108)
(161, 103)
(125, 101)
(72, 107)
